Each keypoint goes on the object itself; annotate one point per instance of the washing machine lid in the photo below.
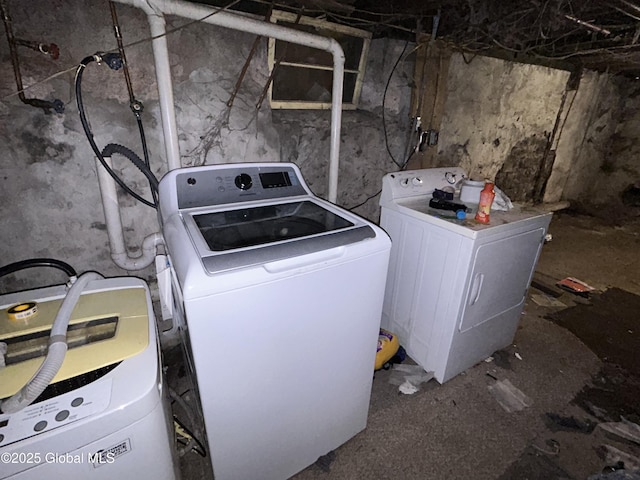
(106, 327)
(255, 234)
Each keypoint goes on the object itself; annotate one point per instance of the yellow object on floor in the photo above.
(387, 347)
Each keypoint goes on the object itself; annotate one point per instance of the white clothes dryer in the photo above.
(281, 296)
(456, 288)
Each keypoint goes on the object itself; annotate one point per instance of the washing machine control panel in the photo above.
(55, 412)
(243, 181)
(224, 184)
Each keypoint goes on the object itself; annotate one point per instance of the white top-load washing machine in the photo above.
(281, 294)
(106, 414)
(456, 288)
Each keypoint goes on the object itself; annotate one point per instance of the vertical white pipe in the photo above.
(336, 119)
(165, 89)
(156, 8)
(111, 208)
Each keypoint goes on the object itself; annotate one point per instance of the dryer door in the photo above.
(500, 277)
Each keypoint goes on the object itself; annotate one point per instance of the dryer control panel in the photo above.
(413, 183)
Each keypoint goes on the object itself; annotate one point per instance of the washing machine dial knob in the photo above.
(416, 181)
(404, 182)
(243, 181)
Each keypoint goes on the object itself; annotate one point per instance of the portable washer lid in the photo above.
(106, 327)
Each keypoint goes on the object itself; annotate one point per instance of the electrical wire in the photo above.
(384, 98)
(402, 165)
(365, 201)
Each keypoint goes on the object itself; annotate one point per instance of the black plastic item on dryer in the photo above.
(447, 205)
(442, 195)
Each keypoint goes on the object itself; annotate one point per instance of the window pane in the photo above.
(309, 85)
(293, 53)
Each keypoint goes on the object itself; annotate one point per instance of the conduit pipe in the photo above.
(155, 11)
(111, 207)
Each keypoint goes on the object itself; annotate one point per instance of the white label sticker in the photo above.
(109, 455)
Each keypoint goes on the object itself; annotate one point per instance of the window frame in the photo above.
(291, 18)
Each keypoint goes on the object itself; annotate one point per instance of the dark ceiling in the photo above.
(602, 35)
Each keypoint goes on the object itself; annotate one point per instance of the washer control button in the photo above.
(243, 181)
(76, 402)
(62, 415)
(41, 425)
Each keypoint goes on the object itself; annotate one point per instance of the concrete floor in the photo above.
(459, 430)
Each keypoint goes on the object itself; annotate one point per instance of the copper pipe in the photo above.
(46, 105)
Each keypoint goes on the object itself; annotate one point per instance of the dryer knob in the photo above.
(404, 182)
(416, 181)
(243, 181)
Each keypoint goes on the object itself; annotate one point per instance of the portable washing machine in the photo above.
(106, 414)
(280, 294)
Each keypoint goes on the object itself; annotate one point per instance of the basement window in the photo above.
(303, 76)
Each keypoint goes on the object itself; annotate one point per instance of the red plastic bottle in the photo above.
(484, 206)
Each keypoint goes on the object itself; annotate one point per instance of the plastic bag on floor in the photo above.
(409, 377)
(510, 398)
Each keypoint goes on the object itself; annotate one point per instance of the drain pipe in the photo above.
(155, 11)
(119, 253)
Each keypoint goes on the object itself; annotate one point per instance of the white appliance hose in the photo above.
(56, 351)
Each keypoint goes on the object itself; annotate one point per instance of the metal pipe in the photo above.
(156, 9)
(125, 67)
(45, 105)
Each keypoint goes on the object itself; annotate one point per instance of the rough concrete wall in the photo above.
(49, 200)
(617, 185)
(584, 140)
(498, 116)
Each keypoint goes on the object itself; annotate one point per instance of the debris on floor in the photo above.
(544, 300)
(573, 285)
(546, 284)
(325, 461)
(624, 429)
(534, 466)
(557, 423)
(614, 456)
(510, 398)
(617, 475)
(409, 378)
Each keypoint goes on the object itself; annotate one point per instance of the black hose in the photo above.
(112, 148)
(38, 262)
(145, 152)
(89, 134)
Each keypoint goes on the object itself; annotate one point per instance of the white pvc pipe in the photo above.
(111, 208)
(155, 9)
(165, 87)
